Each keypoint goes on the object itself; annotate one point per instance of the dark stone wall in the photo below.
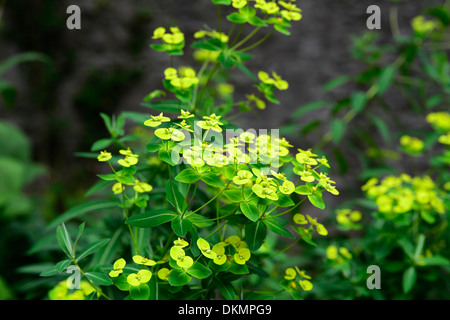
(108, 67)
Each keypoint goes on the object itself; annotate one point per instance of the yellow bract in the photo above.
(242, 256)
(118, 268)
(104, 156)
(143, 261)
(136, 279)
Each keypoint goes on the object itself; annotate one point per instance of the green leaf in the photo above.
(225, 59)
(255, 234)
(62, 265)
(199, 271)
(226, 289)
(336, 82)
(337, 129)
(173, 106)
(140, 292)
(358, 101)
(276, 227)
(234, 195)
(235, 17)
(238, 268)
(409, 279)
(386, 78)
(99, 278)
(101, 144)
(250, 210)
(199, 220)
(64, 240)
(81, 209)
(212, 180)
(222, 2)
(181, 226)
(151, 218)
(153, 147)
(178, 277)
(433, 261)
(303, 190)
(93, 247)
(121, 283)
(284, 200)
(188, 175)
(310, 107)
(316, 200)
(180, 201)
(166, 156)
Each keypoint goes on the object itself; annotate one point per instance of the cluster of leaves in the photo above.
(185, 202)
(405, 213)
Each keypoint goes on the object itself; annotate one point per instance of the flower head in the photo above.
(117, 268)
(141, 277)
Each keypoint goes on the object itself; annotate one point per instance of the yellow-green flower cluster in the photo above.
(441, 123)
(338, 255)
(302, 220)
(275, 80)
(134, 279)
(298, 278)
(348, 219)
(222, 37)
(411, 145)
(397, 195)
(62, 292)
(174, 37)
(182, 79)
(422, 26)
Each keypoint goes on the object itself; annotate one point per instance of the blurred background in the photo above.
(62, 79)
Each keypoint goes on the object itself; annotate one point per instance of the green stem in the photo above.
(283, 250)
(171, 189)
(97, 289)
(202, 91)
(248, 37)
(287, 211)
(125, 213)
(213, 197)
(258, 42)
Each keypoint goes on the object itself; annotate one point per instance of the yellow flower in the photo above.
(242, 177)
(242, 256)
(143, 261)
(136, 279)
(238, 4)
(163, 274)
(287, 187)
(445, 139)
(332, 252)
(117, 188)
(142, 187)
(185, 115)
(104, 156)
(155, 121)
(300, 219)
(118, 268)
(219, 250)
(306, 285)
(158, 32)
(290, 274)
(269, 192)
(180, 257)
(181, 243)
(128, 161)
(205, 248)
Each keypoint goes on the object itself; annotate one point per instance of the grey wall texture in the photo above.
(107, 66)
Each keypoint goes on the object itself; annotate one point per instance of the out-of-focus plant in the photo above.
(193, 206)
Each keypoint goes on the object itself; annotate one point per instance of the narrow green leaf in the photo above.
(337, 129)
(409, 279)
(81, 209)
(226, 289)
(151, 218)
(90, 249)
(64, 240)
(276, 227)
(336, 82)
(99, 278)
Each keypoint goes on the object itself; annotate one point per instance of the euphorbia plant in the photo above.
(193, 198)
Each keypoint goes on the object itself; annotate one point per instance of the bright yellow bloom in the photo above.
(118, 268)
(163, 274)
(104, 156)
(205, 248)
(155, 121)
(290, 274)
(242, 256)
(306, 285)
(143, 261)
(287, 187)
(180, 257)
(242, 177)
(136, 279)
(219, 250)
